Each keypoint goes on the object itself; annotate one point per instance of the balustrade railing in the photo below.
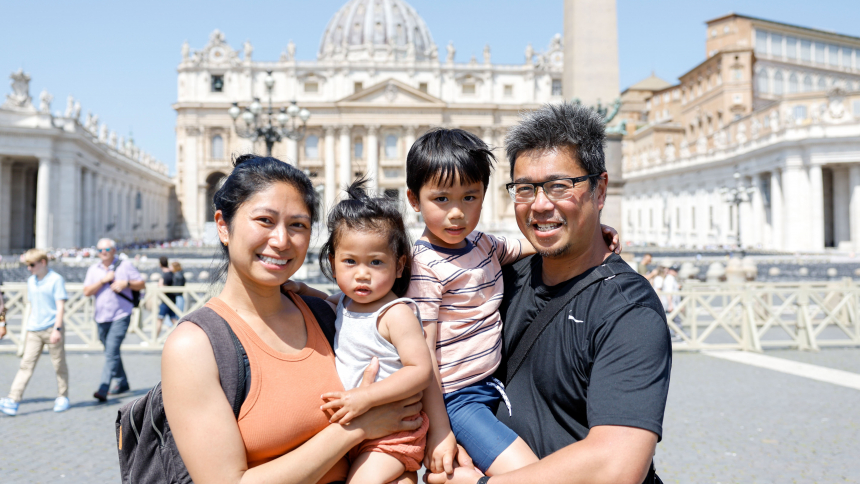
(750, 317)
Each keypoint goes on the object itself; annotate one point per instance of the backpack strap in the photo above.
(230, 355)
(522, 348)
(324, 315)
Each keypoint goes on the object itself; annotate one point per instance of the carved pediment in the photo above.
(217, 53)
(392, 92)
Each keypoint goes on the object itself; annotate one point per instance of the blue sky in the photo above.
(119, 59)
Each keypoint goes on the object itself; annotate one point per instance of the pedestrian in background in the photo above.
(178, 280)
(46, 292)
(164, 310)
(112, 281)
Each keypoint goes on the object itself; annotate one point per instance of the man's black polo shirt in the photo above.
(604, 359)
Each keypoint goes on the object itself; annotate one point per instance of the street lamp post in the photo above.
(270, 127)
(736, 196)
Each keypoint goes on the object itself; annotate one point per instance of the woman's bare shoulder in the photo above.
(187, 344)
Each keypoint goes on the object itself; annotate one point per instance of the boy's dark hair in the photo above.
(561, 126)
(162, 261)
(251, 174)
(361, 212)
(441, 155)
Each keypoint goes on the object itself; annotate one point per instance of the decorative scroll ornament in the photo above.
(20, 99)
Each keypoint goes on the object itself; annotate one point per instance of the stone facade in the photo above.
(377, 84)
(776, 104)
(66, 183)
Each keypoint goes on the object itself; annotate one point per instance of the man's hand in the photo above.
(56, 336)
(610, 236)
(108, 277)
(440, 452)
(119, 286)
(350, 404)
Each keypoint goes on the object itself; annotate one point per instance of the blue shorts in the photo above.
(163, 311)
(472, 411)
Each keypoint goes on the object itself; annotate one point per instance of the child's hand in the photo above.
(440, 452)
(351, 404)
(294, 287)
(610, 236)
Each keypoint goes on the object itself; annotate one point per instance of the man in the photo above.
(46, 291)
(112, 281)
(589, 396)
(643, 264)
(163, 310)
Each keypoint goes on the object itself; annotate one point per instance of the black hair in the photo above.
(441, 155)
(251, 174)
(566, 126)
(162, 261)
(361, 212)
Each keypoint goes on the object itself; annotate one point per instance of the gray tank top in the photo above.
(357, 340)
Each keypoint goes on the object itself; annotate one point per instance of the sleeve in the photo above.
(90, 278)
(630, 371)
(60, 289)
(508, 251)
(426, 290)
(131, 272)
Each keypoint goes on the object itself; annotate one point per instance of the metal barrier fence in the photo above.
(747, 317)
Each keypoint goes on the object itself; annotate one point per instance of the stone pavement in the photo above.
(725, 423)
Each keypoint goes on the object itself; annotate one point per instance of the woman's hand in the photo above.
(440, 452)
(610, 236)
(350, 404)
(389, 418)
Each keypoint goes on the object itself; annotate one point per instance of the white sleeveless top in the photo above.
(358, 340)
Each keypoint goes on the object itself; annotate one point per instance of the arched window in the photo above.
(800, 113)
(777, 83)
(312, 150)
(391, 146)
(807, 84)
(761, 80)
(217, 147)
(792, 83)
(822, 84)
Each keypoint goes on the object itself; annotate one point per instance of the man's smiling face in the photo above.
(557, 228)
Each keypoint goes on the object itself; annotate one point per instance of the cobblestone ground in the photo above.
(725, 423)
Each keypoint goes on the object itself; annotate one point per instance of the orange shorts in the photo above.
(407, 447)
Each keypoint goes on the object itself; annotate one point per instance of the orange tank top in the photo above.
(282, 410)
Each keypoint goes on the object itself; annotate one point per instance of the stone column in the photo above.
(757, 223)
(797, 234)
(87, 215)
(43, 205)
(190, 209)
(64, 207)
(292, 151)
(330, 183)
(776, 210)
(841, 204)
(488, 215)
(816, 205)
(5, 206)
(345, 159)
(854, 205)
(373, 158)
(411, 216)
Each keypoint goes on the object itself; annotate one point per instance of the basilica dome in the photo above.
(377, 29)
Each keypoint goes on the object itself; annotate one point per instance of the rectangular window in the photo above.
(556, 87)
(358, 151)
(819, 53)
(468, 89)
(509, 90)
(357, 86)
(805, 51)
(800, 113)
(833, 57)
(791, 47)
(846, 57)
(760, 42)
(422, 86)
(776, 45)
(738, 74)
(857, 108)
(217, 83)
(312, 87)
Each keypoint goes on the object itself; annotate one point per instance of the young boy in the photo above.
(457, 283)
(46, 291)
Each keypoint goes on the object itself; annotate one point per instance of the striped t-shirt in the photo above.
(461, 289)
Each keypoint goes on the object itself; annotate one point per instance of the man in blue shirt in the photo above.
(46, 291)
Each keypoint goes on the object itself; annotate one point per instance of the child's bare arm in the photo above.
(303, 289)
(441, 445)
(401, 326)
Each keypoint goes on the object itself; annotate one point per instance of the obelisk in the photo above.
(590, 51)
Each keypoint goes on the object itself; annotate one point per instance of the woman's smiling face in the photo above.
(269, 235)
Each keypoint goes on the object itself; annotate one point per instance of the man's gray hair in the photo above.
(106, 241)
(554, 126)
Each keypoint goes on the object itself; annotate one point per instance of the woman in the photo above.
(264, 213)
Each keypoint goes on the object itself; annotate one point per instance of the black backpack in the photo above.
(147, 451)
